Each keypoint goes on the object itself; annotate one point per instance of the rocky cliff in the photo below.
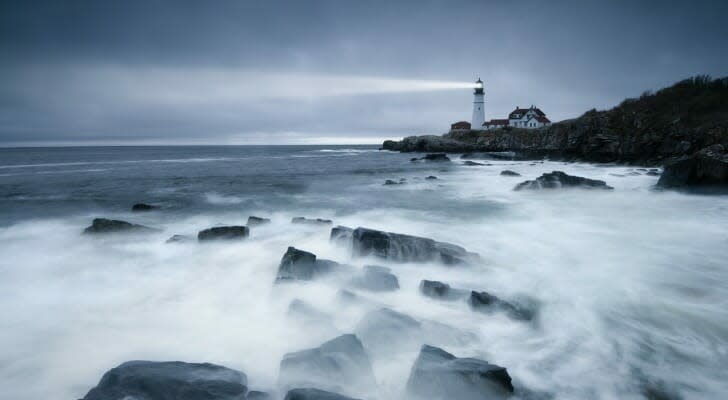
(654, 129)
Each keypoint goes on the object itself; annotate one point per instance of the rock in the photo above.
(440, 157)
(391, 182)
(223, 233)
(492, 155)
(301, 265)
(472, 163)
(440, 290)
(652, 173)
(307, 221)
(314, 394)
(256, 221)
(431, 178)
(173, 380)
(143, 207)
(180, 239)
(406, 248)
(706, 169)
(340, 364)
(486, 302)
(439, 375)
(258, 395)
(558, 179)
(375, 279)
(103, 225)
(341, 234)
(508, 172)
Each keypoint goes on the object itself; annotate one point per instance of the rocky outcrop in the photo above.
(311, 221)
(103, 225)
(439, 375)
(706, 169)
(440, 290)
(376, 279)
(149, 380)
(405, 248)
(301, 265)
(674, 122)
(508, 172)
(223, 233)
(340, 364)
(143, 207)
(559, 179)
(256, 221)
(314, 394)
(341, 235)
(486, 302)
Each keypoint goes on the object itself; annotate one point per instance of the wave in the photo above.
(221, 199)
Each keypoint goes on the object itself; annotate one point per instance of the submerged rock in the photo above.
(314, 394)
(341, 234)
(705, 169)
(473, 163)
(301, 265)
(439, 375)
(559, 179)
(406, 248)
(180, 239)
(311, 221)
(256, 221)
(385, 330)
(440, 290)
(143, 207)
(173, 380)
(391, 182)
(431, 178)
(440, 157)
(376, 279)
(508, 172)
(103, 225)
(223, 233)
(486, 302)
(258, 395)
(340, 364)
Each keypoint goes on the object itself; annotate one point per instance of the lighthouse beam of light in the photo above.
(179, 86)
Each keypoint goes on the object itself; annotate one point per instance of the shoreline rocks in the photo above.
(301, 265)
(375, 279)
(311, 221)
(486, 302)
(170, 380)
(140, 207)
(223, 233)
(508, 172)
(706, 169)
(314, 394)
(257, 221)
(103, 225)
(559, 179)
(439, 375)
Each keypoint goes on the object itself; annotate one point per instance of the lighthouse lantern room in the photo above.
(478, 106)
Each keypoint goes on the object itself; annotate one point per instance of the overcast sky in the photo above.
(271, 72)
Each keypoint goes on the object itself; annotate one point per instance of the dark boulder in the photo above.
(143, 207)
(508, 172)
(223, 233)
(340, 364)
(486, 302)
(439, 375)
(256, 221)
(180, 239)
(174, 380)
(311, 221)
(314, 394)
(431, 178)
(375, 279)
(103, 225)
(406, 248)
(389, 182)
(439, 157)
(341, 234)
(559, 179)
(706, 169)
(301, 265)
(473, 163)
(440, 290)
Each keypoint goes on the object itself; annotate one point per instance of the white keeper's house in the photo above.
(524, 118)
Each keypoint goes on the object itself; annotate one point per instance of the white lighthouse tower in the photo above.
(478, 107)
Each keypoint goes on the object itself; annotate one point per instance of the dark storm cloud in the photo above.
(244, 71)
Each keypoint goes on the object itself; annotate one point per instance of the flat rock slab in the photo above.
(256, 221)
(302, 265)
(103, 225)
(311, 221)
(559, 179)
(223, 233)
(172, 380)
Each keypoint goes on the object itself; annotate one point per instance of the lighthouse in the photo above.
(478, 106)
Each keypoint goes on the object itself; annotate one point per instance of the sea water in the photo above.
(631, 285)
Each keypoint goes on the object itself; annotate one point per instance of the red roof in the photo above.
(496, 122)
(522, 111)
(542, 119)
(460, 125)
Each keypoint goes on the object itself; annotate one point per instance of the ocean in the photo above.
(630, 285)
